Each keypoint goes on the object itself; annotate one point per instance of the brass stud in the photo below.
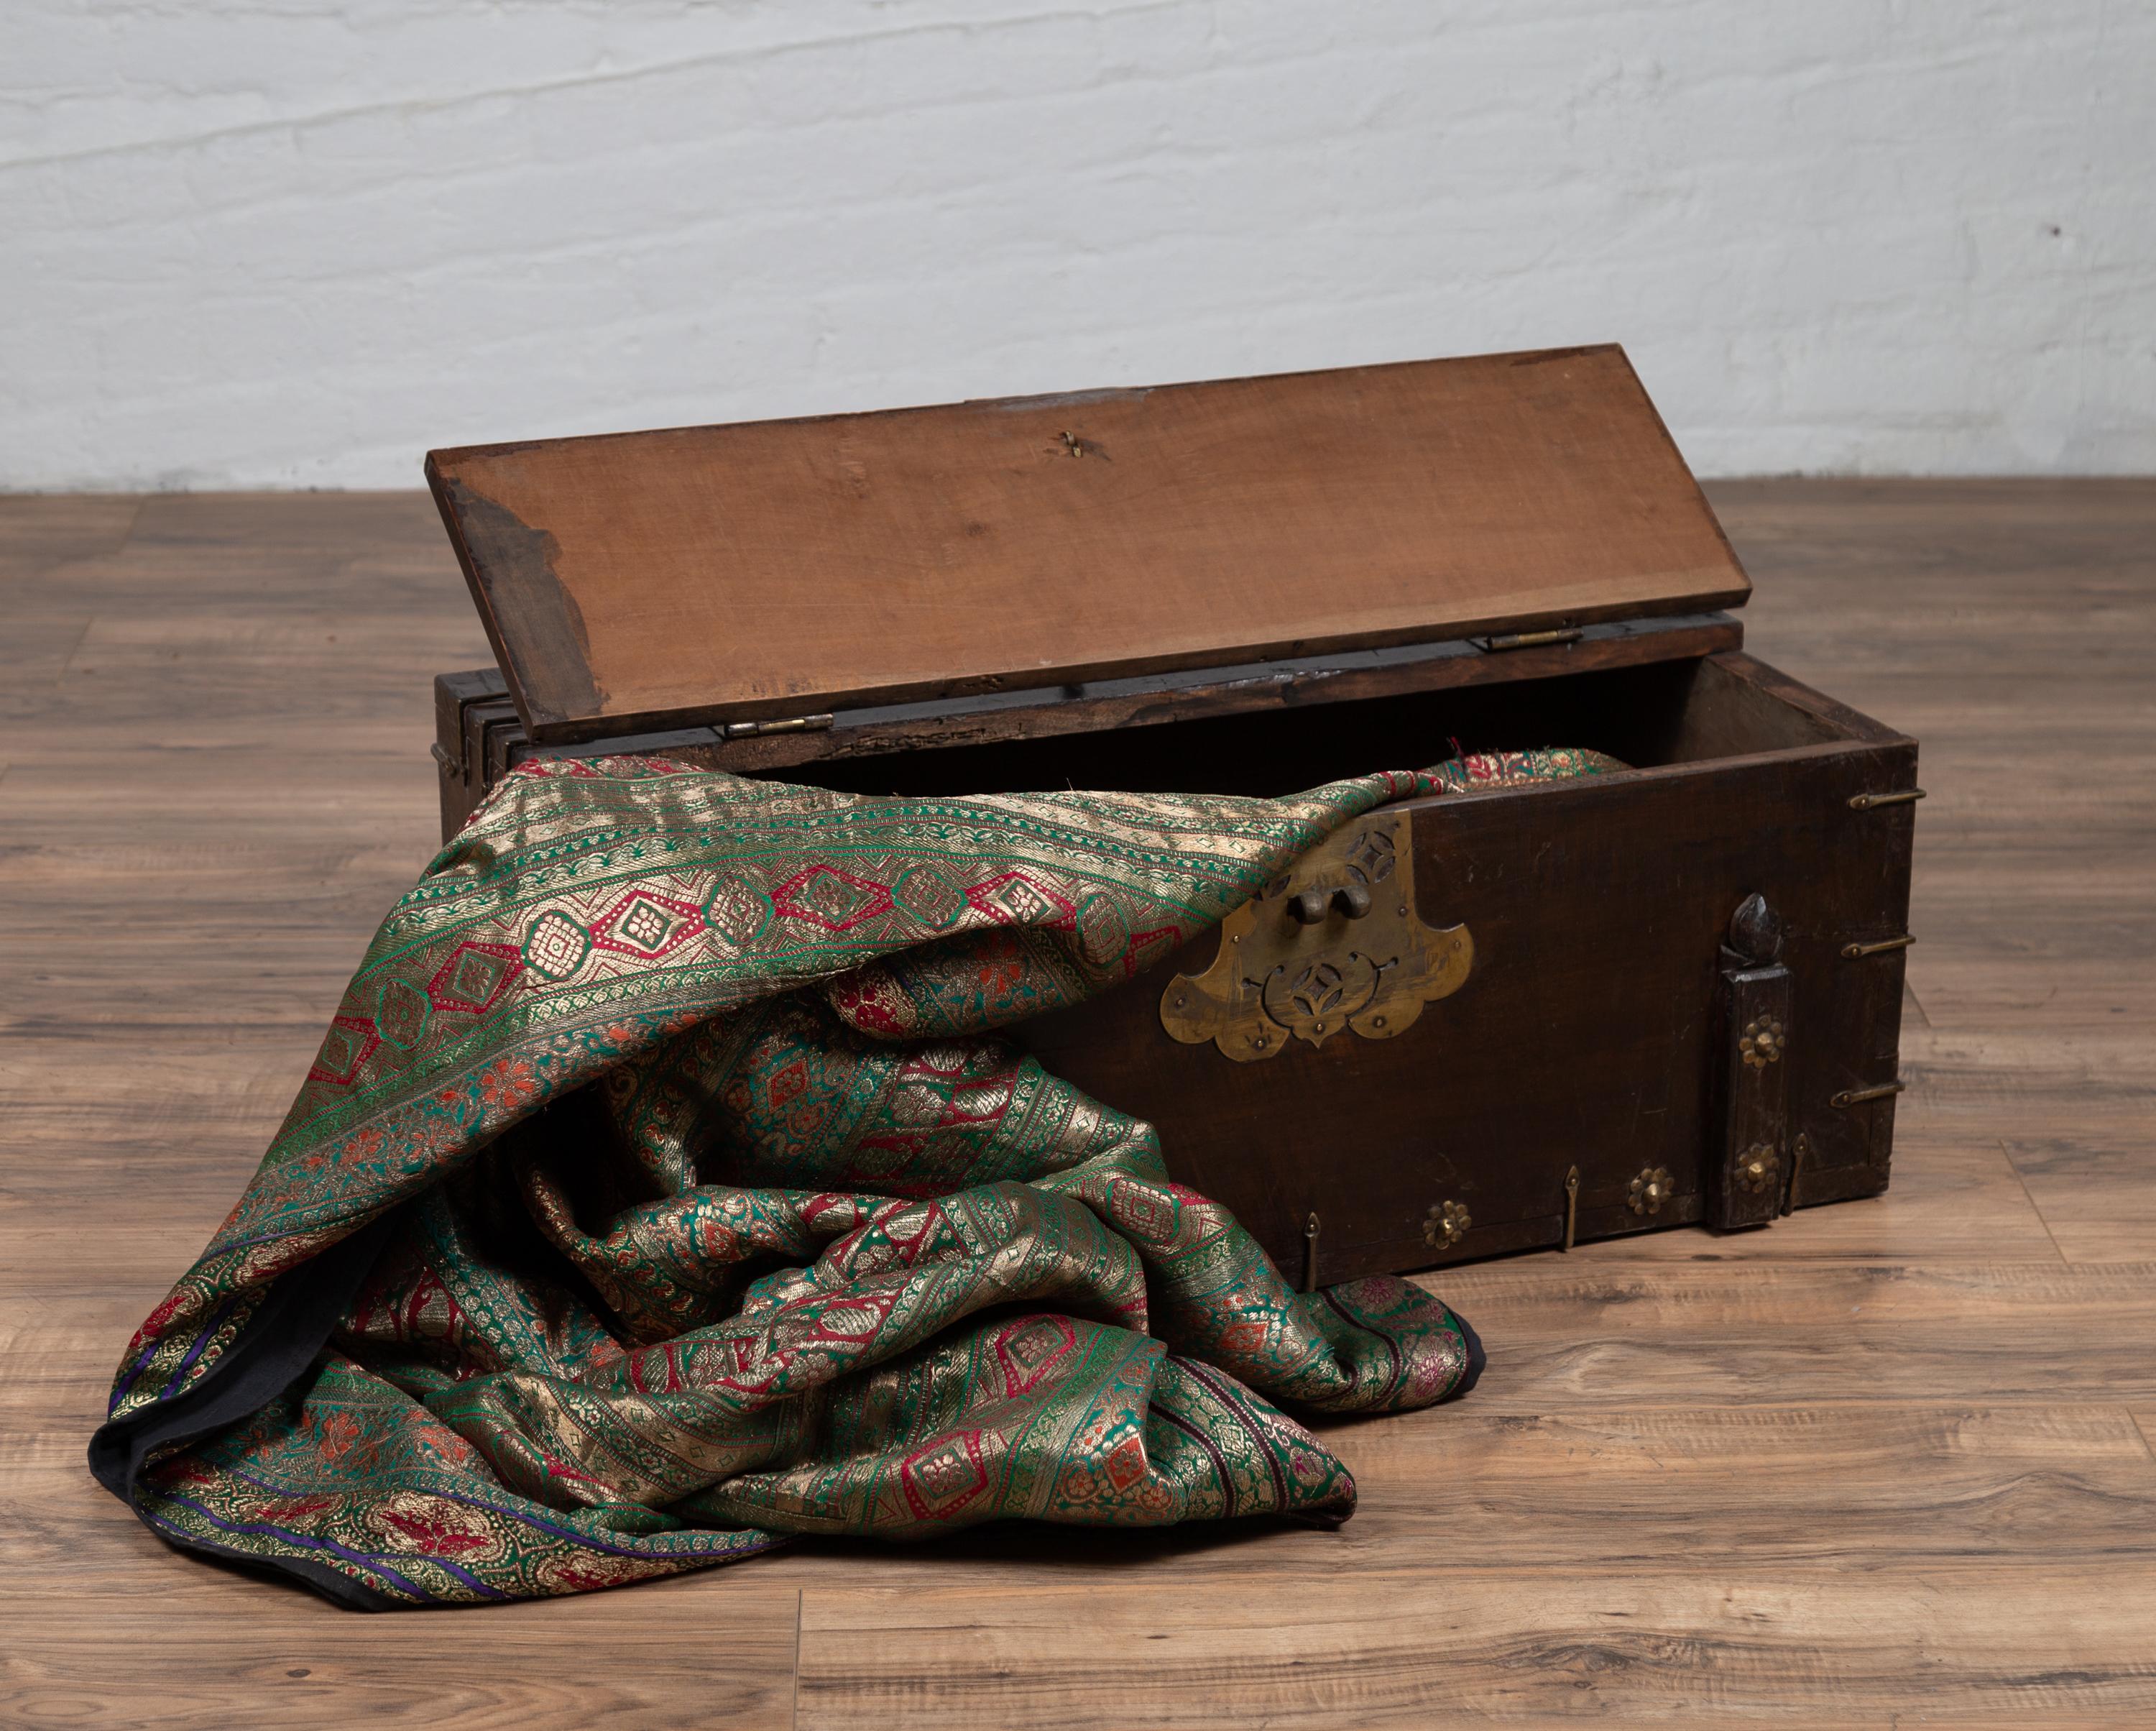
(1445, 1224)
(1761, 1043)
(1649, 1190)
(1758, 1168)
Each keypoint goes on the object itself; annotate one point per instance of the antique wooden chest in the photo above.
(1468, 1024)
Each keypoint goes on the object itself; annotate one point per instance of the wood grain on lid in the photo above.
(775, 568)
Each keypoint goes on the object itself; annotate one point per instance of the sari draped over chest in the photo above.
(661, 1191)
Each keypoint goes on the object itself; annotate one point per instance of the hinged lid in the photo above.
(775, 568)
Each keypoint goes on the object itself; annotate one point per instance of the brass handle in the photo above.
(1310, 907)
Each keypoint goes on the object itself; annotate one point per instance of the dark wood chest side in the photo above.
(1585, 1038)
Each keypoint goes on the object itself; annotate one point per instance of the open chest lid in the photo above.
(664, 579)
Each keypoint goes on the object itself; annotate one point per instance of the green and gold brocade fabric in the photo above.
(663, 1190)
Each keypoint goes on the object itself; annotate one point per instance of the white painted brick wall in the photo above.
(296, 242)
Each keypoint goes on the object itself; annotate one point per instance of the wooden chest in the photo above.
(1474, 1023)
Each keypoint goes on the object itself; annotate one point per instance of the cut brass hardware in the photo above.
(1445, 1224)
(1865, 802)
(1571, 1203)
(1850, 952)
(1761, 1043)
(1336, 943)
(1528, 640)
(1310, 1230)
(1649, 1190)
(1310, 907)
(1796, 1171)
(1757, 1167)
(792, 724)
(1857, 1097)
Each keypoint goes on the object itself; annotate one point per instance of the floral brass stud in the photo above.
(1445, 1224)
(1758, 1168)
(1761, 1043)
(1649, 1190)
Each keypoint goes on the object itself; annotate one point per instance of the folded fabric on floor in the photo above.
(660, 1193)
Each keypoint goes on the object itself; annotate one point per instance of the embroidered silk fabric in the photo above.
(660, 1191)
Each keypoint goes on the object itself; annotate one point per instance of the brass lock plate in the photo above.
(1334, 944)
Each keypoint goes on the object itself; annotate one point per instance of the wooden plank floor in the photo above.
(1886, 1462)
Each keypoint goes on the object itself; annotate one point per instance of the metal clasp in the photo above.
(1335, 943)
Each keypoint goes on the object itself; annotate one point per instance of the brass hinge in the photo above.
(1851, 952)
(1866, 802)
(1528, 640)
(792, 724)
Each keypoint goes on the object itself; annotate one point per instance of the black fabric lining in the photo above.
(1476, 1358)
(276, 1348)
